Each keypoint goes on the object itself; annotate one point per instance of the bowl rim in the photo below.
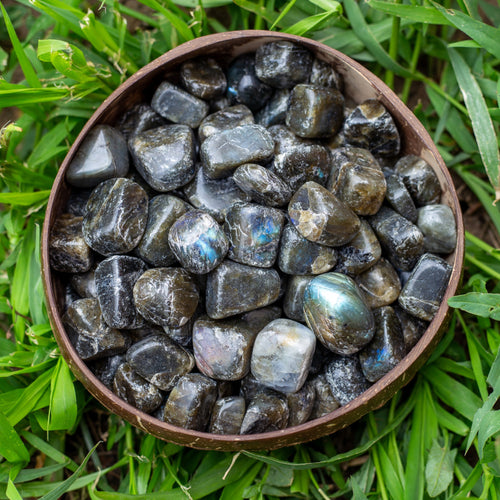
(378, 393)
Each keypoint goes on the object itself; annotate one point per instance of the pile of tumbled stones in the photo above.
(266, 255)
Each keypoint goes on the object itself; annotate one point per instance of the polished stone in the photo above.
(423, 292)
(258, 318)
(219, 103)
(225, 119)
(183, 335)
(105, 368)
(300, 256)
(139, 119)
(387, 349)
(420, 180)
(274, 112)
(321, 217)
(227, 415)
(91, 337)
(413, 328)
(163, 211)
(300, 404)
(222, 349)
(357, 179)
(102, 155)
(315, 111)
(265, 413)
(380, 284)
(77, 202)
(346, 379)
(166, 296)
(69, 296)
(370, 126)
(203, 78)
(402, 240)
(254, 233)
(178, 106)
(234, 288)
(223, 152)
(438, 226)
(136, 390)
(243, 85)
(198, 242)
(164, 156)
(324, 400)
(338, 314)
(143, 331)
(68, 249)
(160, 360)
(191, 402)
(214, 196)
(323, 74)
(250, 387)
(282, 355)
(262, 185)
(115, 278)
(361, 253)
(116, 217)
(285, 140)
(84, 284)
(400, 199)
(293, 303)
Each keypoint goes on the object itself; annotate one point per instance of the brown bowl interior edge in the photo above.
(360, 84)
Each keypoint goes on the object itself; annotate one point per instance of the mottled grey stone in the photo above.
(84, 284)
(225, 119)
(139, 119)
(293, 304)
(400, 199)
(324, 400)
(413, 328)
(203, 78)
(77, 202)
(258, 318)
(227, 415)
(438, 226)
(105, 369)
(300, 404)
(274, 112)
(265, 413)
(285, 140)
(323, 74)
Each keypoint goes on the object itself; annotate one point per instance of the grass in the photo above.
(439, 437)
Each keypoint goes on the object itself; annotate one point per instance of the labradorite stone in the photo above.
(105, 369)
(222, 349)
(282, 355)
(164, 156)
(254, 233)
(226, 119)
(301, 163)
(370, 126)
(400, 199)
(323, 74)
(223, 152)
(84, 284)
(420, 180)
(69, 252)
(143, 331)
(293, 304)
(283, 64)
(102, 155)
(191, 402)
(345, 378)
(300, 404)
(413, 328)
(262, 185)
(315, 111)
(324, 400)
(115, 278)
(266, 412)
(285, 139)
(227, 415)
(274, 112)
(386, 349)
(423, 292)
(214, 196)
(380, 284)
(360, 253)
(402, 240)
(198, 242)
(116, 216)
(183, 335)
(70, 295)
(336, 311)
(77, 202)
(139, 119)
(234, 288)
(160, 360)
(135, 390)
(163, 211)
(357, 179)
(321, 217)
(166, 296)
(438, 226)
(258, 318)
(219, 103)
(203, 78)
(89, 334)
(178, 106)
(243, 85)
(300, 256)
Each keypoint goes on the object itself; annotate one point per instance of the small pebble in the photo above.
(225, 119)
(400, 199)
(203, 78)
(274, 112)
(266, 412)
(293, 305)
(227, 415)
(437, 224)
(139, 119)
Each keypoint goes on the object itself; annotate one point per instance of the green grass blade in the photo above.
(11, 445)
(481, 120)
(439, 468)
(24, 199)
(63, 408)
(310, 23)
(23, 96)
(417, 13)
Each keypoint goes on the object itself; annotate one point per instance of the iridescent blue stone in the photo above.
(198, 242)
(164, 156)
(293, 304)
(225, 119)
(386, 349)
(139, 119)
(282, 354)
(336, 311)
(300, 256)
(243, 85)
(227, 415)
(438, 226)
(178, 106)
(102, 155)
(274, 112)
(254, 233)
(266, 412)
(203, 78)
